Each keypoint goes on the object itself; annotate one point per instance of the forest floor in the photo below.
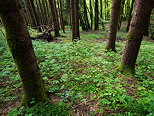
(81, 78)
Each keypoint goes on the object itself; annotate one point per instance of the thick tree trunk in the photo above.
(96, 16)
(137, 28)
(113, 24)
(55, 17)
(75, 20)
(20, 45)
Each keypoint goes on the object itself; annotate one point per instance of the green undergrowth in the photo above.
(80, 78)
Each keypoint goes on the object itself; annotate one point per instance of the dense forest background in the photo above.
(77, 57)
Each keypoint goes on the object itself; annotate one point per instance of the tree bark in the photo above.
(75, 20)
(130, 15)
(34, 21)
(86, 16)
(91, 14)
(55, 17)
(113, 25)
(61, 15)
(96, 15)
(36, 15)
(121, 17)
(20, 45)
(101, 14)
(137, 28)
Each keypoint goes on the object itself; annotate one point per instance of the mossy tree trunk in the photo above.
(20, 45)
(137, 28)
(113, 24)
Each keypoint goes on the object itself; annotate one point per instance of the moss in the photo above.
(129, 36)
(125, 69)
(30, 100)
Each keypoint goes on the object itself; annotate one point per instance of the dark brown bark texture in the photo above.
(20, 45)
(75, 20)
(33, 17)
(36, 15)
(96, 16)
(130, 15)
(54, 17)
(85, 15)
(138, 25)
(91, 14)
(113, 24)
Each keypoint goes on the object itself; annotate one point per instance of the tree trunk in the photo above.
(130, 15)
(75, 20)
(86, 16)
(121, 17)
(33, 17)
(101, 14)
(146, 32)
(36, 15)
(91, 14)
(20, 45)
(54, 17)
(113, 25)
(96, 15)
(137, 28)
(61, 15)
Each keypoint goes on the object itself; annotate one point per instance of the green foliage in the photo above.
(79, 73)
(42, 109)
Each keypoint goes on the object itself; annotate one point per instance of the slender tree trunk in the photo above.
(61, 15)
(113, 25)
(86, 16)
(39, 16)
(101, 14)
(45, 12)
(130, 15)
(34, 22)
(75, 20)
(137, 28)
(27, 14)
(82, 23)
(96, 15)
(91, 14)
(105, 9)
(54, 17)
(121, 17)
(146, 32)
(36, 15)
(49, 20)
(20, 45)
